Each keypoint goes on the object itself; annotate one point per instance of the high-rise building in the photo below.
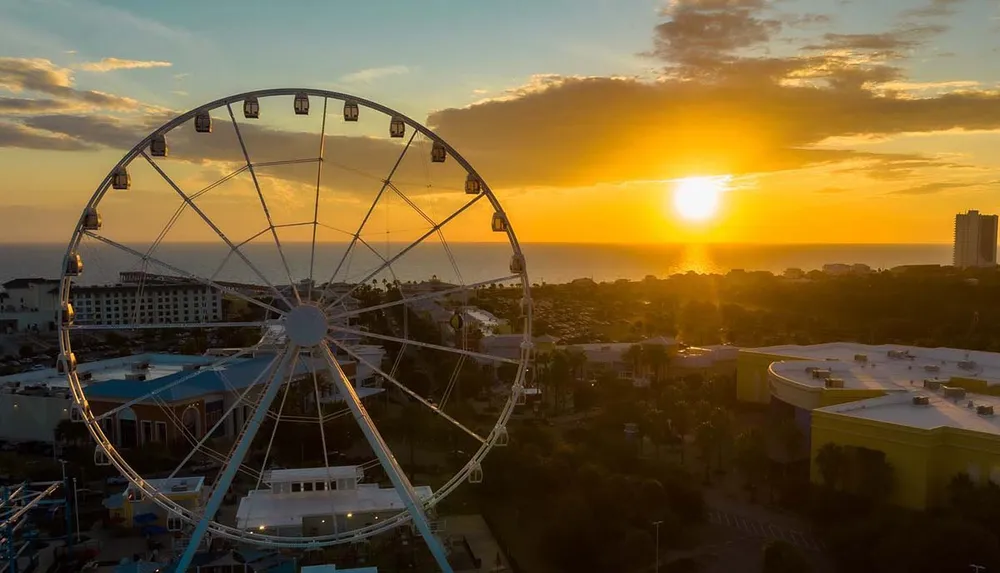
(975, 240)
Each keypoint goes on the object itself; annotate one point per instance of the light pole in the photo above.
(76, 509)
(656, 524)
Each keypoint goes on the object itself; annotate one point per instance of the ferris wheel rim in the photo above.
(215, 527)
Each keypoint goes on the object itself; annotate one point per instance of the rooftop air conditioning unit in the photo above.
(984, 410)
(834, 383)
(967, 364)
(821, 373)
(932, 368)
(861, 358)
(932, 384)
(137, 376)
(953, 392)
(921, 400)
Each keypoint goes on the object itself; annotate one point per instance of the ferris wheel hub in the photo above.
(305, 325)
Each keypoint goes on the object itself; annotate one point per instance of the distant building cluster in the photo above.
(932, 411)
(975, 240)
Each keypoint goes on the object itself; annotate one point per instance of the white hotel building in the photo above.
(159, 300)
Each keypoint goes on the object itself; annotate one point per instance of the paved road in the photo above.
(763, 529)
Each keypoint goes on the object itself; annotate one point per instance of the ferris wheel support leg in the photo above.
(240, 452)
(399, 480)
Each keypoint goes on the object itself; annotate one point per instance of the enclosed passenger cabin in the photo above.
(438, 153)
(456, 322)
(473, 186)
(120, 179)
(476, 473)
(499, 223)
(397, 128)
(74, 265)
(520, 396)
(502, 436)
(158, 146)
(91, 219)
(68, 315)
(301, 104)
(517, 264)
(251, 108)
(351, 110)
(66, 363)
(203, 122)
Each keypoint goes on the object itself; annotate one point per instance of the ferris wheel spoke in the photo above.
(236, 403)
(357, 235)
(263, 203)
(440, 234)
(427, 296)
(469, 353)
(217, 230)
(403, 252)
(240, 448)
(319, 179)
(157, 391)
(286, 382)
(405, 389)
(413, 504)
(157, 326)
(319, 415)
(185, 274)
(274, 432)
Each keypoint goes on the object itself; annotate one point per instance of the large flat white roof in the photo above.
(941, 412)
(901, 375)
(262, 507)
(988, 363)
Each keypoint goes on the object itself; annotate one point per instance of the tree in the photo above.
(832, 463)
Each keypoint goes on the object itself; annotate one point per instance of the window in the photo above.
(174, 523)
(296, 487)
(320, 486)
(308, 486)
(333, 485)
(147, 431)
(161, 432)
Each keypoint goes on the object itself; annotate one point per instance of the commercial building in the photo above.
(146, 299)
(29, 305)
(33, 403)
(929, 410)
(975, 240)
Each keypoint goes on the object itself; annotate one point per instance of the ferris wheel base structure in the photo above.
(312, 318)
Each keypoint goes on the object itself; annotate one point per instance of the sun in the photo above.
(698, 198)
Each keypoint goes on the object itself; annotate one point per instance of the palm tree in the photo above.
(656, 358)
(635, 356)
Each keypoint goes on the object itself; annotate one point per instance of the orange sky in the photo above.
(829, 134)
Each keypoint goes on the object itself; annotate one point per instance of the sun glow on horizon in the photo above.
(698, 198)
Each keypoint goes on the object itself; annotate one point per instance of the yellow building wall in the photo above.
(751, 376)
(924, 461)
(911, 452)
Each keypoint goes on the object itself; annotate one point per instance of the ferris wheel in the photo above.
(325, 210)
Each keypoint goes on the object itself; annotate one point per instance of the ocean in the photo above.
(546, 262)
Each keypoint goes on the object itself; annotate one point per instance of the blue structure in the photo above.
(239, 374)
(16, 505)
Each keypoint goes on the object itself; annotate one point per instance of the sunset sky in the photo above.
(829, 121)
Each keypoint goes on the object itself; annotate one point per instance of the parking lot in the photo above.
(766, 530)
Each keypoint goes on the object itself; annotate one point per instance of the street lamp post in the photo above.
(656, 524)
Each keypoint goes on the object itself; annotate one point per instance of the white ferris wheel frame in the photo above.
(214, 528)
